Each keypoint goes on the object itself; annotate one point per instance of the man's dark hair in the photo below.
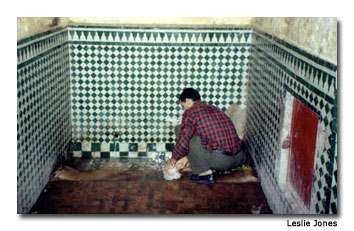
(189, 93)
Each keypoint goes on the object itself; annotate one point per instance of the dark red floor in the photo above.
(144, 191)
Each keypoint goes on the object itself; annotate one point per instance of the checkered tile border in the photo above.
(88, 149)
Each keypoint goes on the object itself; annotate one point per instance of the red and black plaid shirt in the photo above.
(213, 126)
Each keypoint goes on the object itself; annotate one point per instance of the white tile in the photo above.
(96, 154)
(114, 154)
(77, 153)
(124, 147)
(105, 147)
(160, 147)
(86, 146)
(151, 154)
(133, 155)
(168, 154)
(142, 147)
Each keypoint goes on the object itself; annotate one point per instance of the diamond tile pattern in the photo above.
(43, 112)
(128, 80)
(278, 67)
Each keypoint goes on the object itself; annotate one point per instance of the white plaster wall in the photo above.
(187, 21)
(317, 36)
(31, 26)
(28, 26)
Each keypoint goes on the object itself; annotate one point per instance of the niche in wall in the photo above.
(302, 150)
(301, 137)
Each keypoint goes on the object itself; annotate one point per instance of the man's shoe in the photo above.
(208, 179)
(221, 173)
(193, 176)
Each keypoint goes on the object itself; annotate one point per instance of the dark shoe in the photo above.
(221, 173)
(208, 179)
(193, 176)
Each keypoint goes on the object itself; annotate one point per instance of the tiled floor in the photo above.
(141, 189)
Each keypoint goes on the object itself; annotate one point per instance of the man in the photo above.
(207, 137)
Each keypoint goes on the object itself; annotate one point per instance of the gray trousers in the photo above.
(202, 160)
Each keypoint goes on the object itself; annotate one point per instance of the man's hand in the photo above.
(170, 165)
(181, 163)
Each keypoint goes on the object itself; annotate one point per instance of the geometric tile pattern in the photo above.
(264, 104)
(43, 111)
(127, 80)
(278, 67)
(87, 149)
(333, 207)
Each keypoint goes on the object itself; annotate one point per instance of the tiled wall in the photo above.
(276, 68)
(43, 111)
(128, 80)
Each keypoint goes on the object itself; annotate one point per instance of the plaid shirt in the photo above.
(213, 126)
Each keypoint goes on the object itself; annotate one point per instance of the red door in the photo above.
(302, 150)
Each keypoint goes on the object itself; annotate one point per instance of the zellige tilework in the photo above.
(127, 80)
(278, 67)
(43, 111)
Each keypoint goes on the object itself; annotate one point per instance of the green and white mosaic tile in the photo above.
(127, 80)
(278, 67)
(43, 111)
(333, 208)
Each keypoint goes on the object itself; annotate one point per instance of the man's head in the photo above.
(187, 98)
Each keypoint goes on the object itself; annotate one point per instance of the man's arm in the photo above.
(187, 131)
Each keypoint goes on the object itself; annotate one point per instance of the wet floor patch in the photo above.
(138, 187)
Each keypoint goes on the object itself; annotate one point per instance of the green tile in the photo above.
(123, 154)
(170, 147)
(133, 147)
(142, 154)
(76, 146)
(151, 147)
(96, 147)
(86, 155)
(105, 155)
(114, 147)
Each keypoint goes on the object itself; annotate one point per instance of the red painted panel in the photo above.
(302, 150)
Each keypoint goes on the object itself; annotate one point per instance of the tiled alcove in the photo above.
(80, 84)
